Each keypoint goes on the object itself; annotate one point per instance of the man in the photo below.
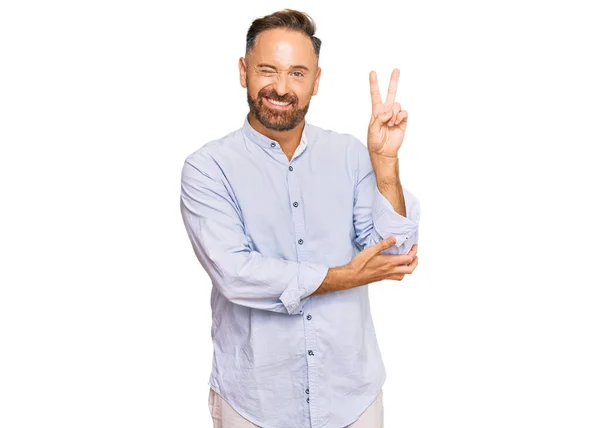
(291, 222)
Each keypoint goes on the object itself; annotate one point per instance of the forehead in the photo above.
(283, 48)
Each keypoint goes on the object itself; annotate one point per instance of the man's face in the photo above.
(281, 75)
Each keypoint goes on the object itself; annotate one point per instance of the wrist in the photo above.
(383, 159)
(337, 278)
(347, 277)
(385, 166)
(341, 277)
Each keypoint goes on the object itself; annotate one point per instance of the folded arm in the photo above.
(217, 234)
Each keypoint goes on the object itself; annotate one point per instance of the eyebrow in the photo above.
(301, 67)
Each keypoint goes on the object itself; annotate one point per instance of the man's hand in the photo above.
(370, 266)
(388, 120)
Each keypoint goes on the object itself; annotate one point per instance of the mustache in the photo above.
(273, 96)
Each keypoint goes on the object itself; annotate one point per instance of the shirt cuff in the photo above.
(310, 277)
(387, 221)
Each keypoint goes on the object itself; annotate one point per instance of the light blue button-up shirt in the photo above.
(266, 230)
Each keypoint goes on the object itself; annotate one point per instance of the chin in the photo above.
(277, 126)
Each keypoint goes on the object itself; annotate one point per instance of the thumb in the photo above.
(385, 243)
(373, 250)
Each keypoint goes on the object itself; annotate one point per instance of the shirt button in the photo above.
(295, 204)
(308, 400)
(291, 168)
(272, 144)
(309, 317)
(306, 390)
(300, 241)
(311, 353)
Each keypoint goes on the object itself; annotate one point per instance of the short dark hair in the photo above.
(287, 18)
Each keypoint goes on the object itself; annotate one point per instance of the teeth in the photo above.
(278, 103)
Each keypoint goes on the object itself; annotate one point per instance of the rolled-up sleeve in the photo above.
(374, 216)
(217, 234)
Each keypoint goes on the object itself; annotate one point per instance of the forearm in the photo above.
(388, 181)
(337, 278)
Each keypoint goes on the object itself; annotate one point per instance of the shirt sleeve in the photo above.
(374, 216)
(216, 231)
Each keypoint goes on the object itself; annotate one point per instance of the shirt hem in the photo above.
(243, 414)
(378, 390)
(234, 407)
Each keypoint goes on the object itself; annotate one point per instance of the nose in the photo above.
(281, 86)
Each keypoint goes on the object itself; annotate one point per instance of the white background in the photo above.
(104, 309)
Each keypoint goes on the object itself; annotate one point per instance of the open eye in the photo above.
(298, 74)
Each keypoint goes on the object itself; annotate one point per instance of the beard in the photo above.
(277, 120)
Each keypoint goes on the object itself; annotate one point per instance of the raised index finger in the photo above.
(375, 95)
(393, 87)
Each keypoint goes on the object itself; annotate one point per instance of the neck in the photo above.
(288, 140)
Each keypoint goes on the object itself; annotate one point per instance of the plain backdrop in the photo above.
(104, 309)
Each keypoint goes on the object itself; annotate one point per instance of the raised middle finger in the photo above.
(393, 86)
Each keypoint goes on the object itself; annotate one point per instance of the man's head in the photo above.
(281, 66)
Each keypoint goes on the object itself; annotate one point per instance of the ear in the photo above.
(317, 79)
(243, 70)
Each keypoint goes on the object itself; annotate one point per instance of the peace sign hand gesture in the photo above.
(388, 120)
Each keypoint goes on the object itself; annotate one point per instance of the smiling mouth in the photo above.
(277, 104)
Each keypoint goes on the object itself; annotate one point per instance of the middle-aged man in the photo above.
(291, 222)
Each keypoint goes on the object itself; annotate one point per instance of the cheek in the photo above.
(254, 84)
(303, 93)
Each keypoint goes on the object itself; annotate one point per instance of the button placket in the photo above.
(309, 330)
(298, 217)
(312, 361)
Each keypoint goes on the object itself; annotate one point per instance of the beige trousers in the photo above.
(224, 416)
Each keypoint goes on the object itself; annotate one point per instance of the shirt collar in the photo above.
(266, 143)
